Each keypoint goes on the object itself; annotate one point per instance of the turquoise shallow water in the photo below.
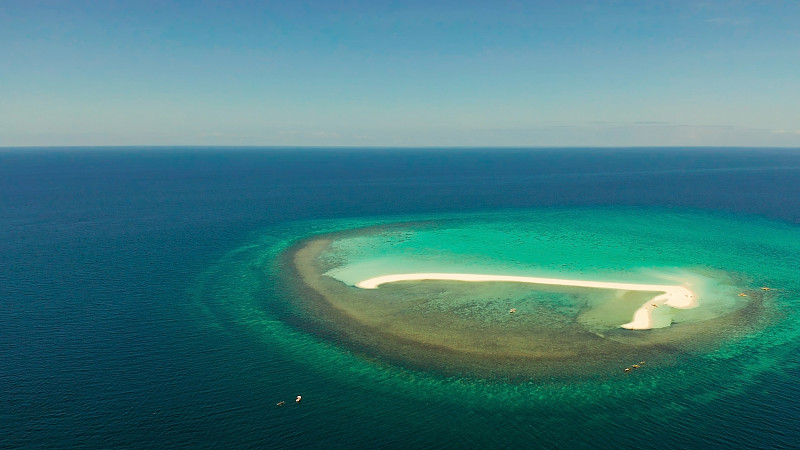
(639, 245)
(625, 246)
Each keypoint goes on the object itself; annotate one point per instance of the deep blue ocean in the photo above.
(121, 324)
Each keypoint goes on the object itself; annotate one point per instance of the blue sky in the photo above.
(386, 73)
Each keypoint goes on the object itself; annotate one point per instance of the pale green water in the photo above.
(590, 244)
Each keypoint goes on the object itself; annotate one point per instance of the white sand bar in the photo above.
(672, 296)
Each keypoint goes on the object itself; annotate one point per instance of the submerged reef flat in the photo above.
(538, 310)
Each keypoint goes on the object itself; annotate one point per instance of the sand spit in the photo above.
(644, 318)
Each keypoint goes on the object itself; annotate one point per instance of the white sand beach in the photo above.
(643, 319)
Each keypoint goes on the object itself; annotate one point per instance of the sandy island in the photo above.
(673, 296)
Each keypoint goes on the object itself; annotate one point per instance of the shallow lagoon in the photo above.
(465, 329)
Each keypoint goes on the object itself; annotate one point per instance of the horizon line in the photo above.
(389, 147)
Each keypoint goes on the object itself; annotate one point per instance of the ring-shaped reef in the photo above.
(739, 270)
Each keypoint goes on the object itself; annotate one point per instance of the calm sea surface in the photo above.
(139, 305)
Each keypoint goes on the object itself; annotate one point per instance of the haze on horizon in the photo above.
(384, 73)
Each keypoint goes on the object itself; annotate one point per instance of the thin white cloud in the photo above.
(653, 122)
